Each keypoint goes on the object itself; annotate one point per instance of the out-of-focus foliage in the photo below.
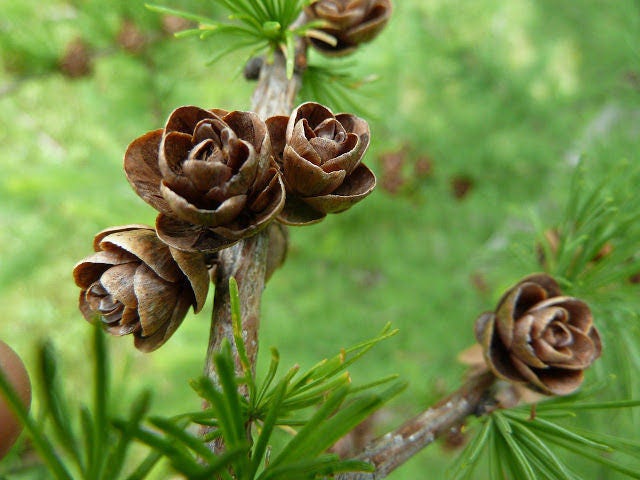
(484, 108)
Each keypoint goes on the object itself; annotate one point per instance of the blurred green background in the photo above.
(479, 112)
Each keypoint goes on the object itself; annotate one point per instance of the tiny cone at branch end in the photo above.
(349, 22)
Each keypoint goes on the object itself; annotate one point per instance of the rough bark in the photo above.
(246, 261)
(391, 450)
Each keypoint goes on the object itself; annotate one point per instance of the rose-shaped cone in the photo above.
(211, 176)
(321, 162)
(138, 285)
(350, 22)
(539, 337)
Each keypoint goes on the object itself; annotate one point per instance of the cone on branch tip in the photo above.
(210, 174)
(320, 156)
(538, 337)
(135, 284)
(349, 22)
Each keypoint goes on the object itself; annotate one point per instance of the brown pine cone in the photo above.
(211, 176)
(320, 159)
(131, 38)
(15, 373)
(138, 285)
(539, 337)
(77, 59)
(350, 22)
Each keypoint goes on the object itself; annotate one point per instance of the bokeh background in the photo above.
(479, 113)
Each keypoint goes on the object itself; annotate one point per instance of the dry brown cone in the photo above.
(210, 174)
(135, 284)
(392, 163)
(423, 167)
(320, 156)
(538, 337)
(131, 38)
(350, 22)
(76, 60)
(461, 185)
(15, 373)
(507, 395)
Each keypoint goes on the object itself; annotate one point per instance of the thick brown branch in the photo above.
(394, 448)
(246, 261)
(275, 93)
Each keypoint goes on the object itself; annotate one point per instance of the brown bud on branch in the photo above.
(320, 159)
(350, 22)
(138, 285)
(539, 337)
(211, 176)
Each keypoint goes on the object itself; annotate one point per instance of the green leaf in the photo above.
(267, 427)
(619, 444)
(56, 405)
(290, 53)
(295, 448)
(117, 454)
(519, 457)
(468, 459)
(614, 404)
(179, 457)
(272, 29)
(309, 469)
(322, 431)
(549, 428)
(100, 401)
(179, 13)
(207, 390)
(145, 467)
(602, 460)
(235, 47)
(312, 396)
(375, 383)
(271, 373)
(544, 454)
(236, 321)
(88, 433)
(495, 459)
(179, 435)
(201, 417)
(250, 22)
(231, 399)
(258, 23)
(222, 463)
(330, 367)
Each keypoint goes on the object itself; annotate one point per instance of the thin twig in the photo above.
(393, 449)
